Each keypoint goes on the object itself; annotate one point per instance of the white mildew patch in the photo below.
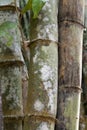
(38, 105)
(46, 72)
(51, 100)
(45, 19)
(43, 126)
(51, 36)
(47, 84)
(52, 94)
(47, 6)
(48, 29)
(41, 33)
(47, 76)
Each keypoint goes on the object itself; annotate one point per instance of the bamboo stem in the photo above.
(11, 62)
(43, 68)
(71, 14)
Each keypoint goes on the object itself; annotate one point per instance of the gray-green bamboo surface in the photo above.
(41, 105)
(11, 61)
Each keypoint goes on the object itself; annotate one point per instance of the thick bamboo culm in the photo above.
(42, 92)
(11, 62)
(71, 15)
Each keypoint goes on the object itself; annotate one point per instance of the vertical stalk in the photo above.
(11, 61)
(24, 21)
(42, 92)
(84, 83)
(71, 15)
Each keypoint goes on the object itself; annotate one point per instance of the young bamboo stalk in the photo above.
(24, 21)
(11, 61)
(42, 92)
(71, 15)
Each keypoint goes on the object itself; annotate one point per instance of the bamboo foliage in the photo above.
(42, 92)
(11, 61)
(71, 15)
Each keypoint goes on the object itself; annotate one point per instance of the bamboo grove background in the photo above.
(43, 72)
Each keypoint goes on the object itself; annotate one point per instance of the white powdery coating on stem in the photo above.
(43, 126)
(47, 84)
(51, 90)
(45, 19)
(48, 29)
(46, 72)
(47, 75)
(47, 5)
(38, 105)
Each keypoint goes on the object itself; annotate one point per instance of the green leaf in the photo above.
(27, 7)
(37, 6)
